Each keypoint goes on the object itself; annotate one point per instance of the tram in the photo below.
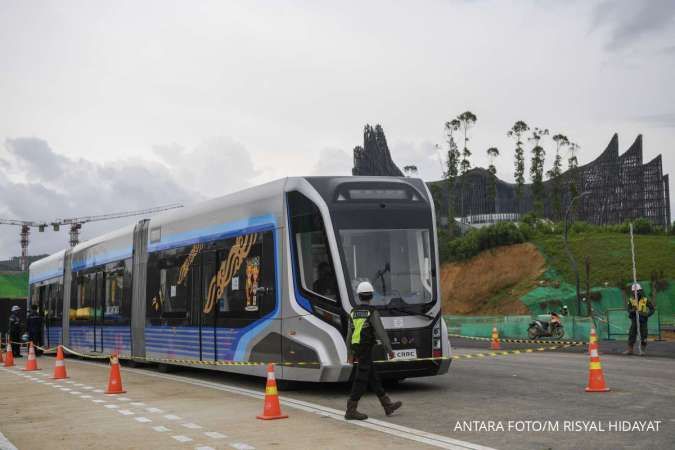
(267, 274)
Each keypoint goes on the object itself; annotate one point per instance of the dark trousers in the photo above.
(632, 334)
(16, 349)
(366, 375)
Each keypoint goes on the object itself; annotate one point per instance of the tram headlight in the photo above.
(436, 345)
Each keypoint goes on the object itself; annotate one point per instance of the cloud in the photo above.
(629, 21)
(333, 161)
(666, 120)
(421, 154)
(36, 183)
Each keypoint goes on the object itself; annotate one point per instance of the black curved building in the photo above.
(621, 187)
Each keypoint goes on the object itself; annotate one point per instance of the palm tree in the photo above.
(492, 153)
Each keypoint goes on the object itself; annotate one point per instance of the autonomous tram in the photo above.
(267, 274)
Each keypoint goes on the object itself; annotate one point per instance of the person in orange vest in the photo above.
(638, 305)
(365, 327)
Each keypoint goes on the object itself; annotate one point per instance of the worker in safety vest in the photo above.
(638, 305)
(365, 327)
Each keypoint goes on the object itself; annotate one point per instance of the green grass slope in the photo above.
(14, 285)
(610, 256)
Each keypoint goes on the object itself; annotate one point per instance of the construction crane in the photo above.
(25, 225)
(75, 224)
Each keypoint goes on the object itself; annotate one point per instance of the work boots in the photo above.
(629, 350)
(388, 405)
(352, 413)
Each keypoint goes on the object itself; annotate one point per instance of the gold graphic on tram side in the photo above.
(221, 280)
(252, 275)
(158, 300)
(185, 267)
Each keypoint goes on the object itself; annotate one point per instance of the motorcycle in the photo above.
(542, 328)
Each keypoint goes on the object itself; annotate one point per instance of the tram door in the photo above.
(98, 308)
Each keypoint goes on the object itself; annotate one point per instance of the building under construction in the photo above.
(620, 187)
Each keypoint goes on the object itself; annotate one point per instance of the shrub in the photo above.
(478, 240)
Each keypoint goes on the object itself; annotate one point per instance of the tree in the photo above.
(452, 171)
(572, 164)
(492, 153)
(537, 170)
(467, 120)
(561, 141)
(410, 170)
(516, 132)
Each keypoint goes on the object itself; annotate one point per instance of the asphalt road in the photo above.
(543, 386)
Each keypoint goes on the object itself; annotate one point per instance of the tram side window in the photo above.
(245, 265)
(114, 293)
(174, 294)
(312, 254)
(84, 300)
(168, 286)
(55, 301)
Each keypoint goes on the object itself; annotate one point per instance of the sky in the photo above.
(113, 106)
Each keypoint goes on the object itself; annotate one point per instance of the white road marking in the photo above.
(181, 438)
(5, 444)
(49, 384)
(203, 447)
(160, 429)
(98, 391)
(126, 412)
(171, 417)
(66, 389)
(70, 382)
(392, 429)
(111, 406)
(89, 388)
(123, 399)
(85, 396)
(75, 392)
(154, 410)
(137, 403)
(40, 381)
(241, 446)
(98, 401)
(143, 419)
(215, 435)
(192, 426)
(78, 384)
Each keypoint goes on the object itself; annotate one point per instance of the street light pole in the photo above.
(567, 247)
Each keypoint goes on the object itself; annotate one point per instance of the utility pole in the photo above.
(567, 247)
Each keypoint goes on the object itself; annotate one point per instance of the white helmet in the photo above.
(16, 308)
(636, 287)
(365, 291)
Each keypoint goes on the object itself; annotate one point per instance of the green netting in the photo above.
(14, 285)
(515, 327)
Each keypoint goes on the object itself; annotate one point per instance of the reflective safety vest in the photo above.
(361, 321)
(640, 305)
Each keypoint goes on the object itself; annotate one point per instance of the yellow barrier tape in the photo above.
(513, 352)
(518, 341)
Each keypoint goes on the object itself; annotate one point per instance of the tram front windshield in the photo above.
(397, 262)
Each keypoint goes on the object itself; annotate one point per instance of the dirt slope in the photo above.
(492, 282)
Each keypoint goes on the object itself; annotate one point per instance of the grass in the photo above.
(610, 256)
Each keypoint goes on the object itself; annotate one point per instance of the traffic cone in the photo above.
(31, 362)
(115, 379)
(596, 378)
(59, 365)
(272, 409)
(9, 355)
(494, 343)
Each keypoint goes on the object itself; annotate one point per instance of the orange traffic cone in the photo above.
(9, 356)
(494, 342)
(115, 380)
(596, 378)
(272, 409)
(59, 365)
(31, 362)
